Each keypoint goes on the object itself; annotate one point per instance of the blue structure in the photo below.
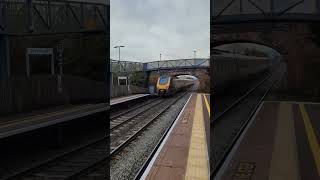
(129, 67)
(197, 63)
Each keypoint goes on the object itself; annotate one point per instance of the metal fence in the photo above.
(117, 91)
(22, 94)
(126, 66)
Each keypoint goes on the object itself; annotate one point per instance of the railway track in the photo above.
(122, 133)
(146, 120)
(82, 157)
(65, 165)
(121, 113)
(120, 119)
(228, 125)
(72, 164)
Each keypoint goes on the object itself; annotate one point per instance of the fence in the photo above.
(116, 91)
(21, 94)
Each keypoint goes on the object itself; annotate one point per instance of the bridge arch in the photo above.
(293, 40)
(251, 41)
(203, 75)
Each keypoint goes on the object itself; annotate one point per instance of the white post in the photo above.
(27, 64)
(52, 64)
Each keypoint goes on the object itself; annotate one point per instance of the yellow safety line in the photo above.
(207, 104)
(197, 164)
(284, 161)
(314, 145)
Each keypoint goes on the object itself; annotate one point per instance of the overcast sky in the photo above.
(147, 28)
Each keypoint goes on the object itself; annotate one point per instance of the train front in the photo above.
(163, 85)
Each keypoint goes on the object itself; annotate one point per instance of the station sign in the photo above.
(122, 80)
(39, 51)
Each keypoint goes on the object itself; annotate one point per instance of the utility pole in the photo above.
(126, 75)
(60, 62)
(159, 62)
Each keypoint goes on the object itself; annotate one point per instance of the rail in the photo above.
(244, 123)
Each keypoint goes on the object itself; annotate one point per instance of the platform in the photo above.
(16, 124)
(183, 153)
(24, 122)
(118, 100)
(280, 142)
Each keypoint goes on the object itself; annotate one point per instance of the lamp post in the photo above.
(194, 54)
(119, 47)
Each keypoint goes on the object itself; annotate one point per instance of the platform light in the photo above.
(119, 47)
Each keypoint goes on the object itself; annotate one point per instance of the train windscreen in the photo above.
(163, 80)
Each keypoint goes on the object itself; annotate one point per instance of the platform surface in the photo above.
(184, 152)
(20, 123)
(24, 122)
(281, 142)
(118, 100)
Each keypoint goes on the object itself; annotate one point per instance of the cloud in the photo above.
(150, 27)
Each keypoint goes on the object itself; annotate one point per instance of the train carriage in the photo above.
(234, 67)
(167, 85)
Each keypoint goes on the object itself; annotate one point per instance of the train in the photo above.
(229, 68)
(168, 85)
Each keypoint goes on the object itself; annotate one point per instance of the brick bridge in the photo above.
(290, 27)
(195, 67)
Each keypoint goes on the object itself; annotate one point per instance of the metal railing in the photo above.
(129, 66)
(249, 10)
(177, 64)
(126, 66)
(53, 16)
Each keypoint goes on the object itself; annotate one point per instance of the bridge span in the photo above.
(21, 17)
(291, 27)
(198, 67)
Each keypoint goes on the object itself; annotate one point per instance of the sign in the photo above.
(122, 80)
(39, 51)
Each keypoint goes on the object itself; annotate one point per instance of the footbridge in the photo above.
(53, 16)
(65, 35)
(198, 67)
